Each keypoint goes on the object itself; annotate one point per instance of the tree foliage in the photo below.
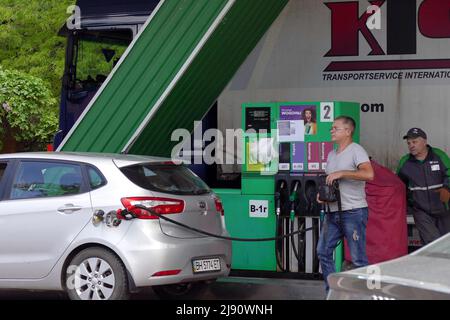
(32, 56)
(31, 67)
(29, 40)
(27, 109)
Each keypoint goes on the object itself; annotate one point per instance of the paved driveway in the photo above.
(231, 288)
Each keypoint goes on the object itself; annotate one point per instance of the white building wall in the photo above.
(289, 62)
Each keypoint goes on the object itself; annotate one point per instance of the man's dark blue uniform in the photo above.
(427, 180)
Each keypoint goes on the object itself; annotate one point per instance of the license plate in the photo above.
(206, 265)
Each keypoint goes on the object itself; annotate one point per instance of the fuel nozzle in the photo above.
(293, 198)
(310, 196)
(322, 212)
(278, 198)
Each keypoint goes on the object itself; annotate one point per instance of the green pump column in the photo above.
(243, 222)
(339, 256)
(250, 212)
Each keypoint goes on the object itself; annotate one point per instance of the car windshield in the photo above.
(167, 178)
(438, 249)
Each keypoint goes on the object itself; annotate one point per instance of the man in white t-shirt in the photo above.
(350, 165)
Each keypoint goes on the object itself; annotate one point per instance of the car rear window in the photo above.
(173, 179)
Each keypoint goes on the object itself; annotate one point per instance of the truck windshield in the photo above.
(94, 63)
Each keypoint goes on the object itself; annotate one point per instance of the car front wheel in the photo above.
(96, 274)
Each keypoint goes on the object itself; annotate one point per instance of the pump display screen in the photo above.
(257, 119)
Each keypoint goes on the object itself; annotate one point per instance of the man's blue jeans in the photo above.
(350, 224)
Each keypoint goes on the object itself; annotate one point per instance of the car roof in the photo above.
(119, 159)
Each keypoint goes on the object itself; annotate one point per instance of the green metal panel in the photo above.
(249, 255)
(210, 72)
(338, 256)
(258, 184)
(153, 63)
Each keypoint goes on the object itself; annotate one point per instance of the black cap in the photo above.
(415, 133)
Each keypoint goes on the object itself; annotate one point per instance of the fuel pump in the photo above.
(282, 160)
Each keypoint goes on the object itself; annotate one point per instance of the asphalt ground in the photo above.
(230, 288)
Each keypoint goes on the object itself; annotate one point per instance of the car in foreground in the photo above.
(423, 274)
(71, 221)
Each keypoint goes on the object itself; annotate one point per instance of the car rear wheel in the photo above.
(96, 274)
(180, 290)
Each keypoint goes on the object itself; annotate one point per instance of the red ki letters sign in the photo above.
(404, 21)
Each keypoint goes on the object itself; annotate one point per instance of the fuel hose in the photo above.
(127, 212)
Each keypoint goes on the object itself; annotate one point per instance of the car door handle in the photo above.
(69, 208)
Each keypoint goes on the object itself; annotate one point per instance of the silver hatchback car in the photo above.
(70, 221)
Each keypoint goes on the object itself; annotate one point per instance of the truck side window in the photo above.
(2, 170)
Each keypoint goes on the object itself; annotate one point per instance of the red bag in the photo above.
(387, 232)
